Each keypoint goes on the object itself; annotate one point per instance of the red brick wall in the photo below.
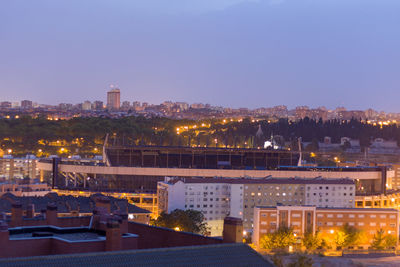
(26, 248)
(62, 247)
(156, 237)
(61, 222)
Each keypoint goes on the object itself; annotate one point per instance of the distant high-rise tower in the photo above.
(113, 99)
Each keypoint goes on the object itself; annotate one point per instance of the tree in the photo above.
(378, 242)
(183, 220)
(390, 241)
(312, 241)
(280, 239)
(347, 236)
(381, 241)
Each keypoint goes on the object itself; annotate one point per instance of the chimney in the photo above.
(113, 236)
(233, 230)
(30, 211)
(51, 214)
(103, 203)
(16, 214)
(4, 235)
(123, 220)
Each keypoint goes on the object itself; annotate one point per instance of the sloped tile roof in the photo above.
(238, 255)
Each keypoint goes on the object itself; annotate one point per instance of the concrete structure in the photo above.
(389, 200)
(368, 179)
(147, 201)
(217, 198)
(113, 99)
(328, 221)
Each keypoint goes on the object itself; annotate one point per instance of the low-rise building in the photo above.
(24, 189)
(328, 221)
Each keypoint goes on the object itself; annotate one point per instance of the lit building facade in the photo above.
(113, 99)
(328, 221)
(18, 168)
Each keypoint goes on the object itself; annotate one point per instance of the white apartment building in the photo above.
(330, 195)
(218, 197)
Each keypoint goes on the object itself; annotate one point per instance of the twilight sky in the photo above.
(237, 53)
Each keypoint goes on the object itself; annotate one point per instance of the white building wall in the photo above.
(212, 200)
(330, 195)
(236, 204)
(176, 196)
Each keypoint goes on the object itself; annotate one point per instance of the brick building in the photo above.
(325, 220)
(24, 235)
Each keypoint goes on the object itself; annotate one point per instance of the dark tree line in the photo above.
(27, 135)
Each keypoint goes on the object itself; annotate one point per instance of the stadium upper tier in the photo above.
(199, 157)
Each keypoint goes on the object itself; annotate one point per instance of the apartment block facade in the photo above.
(328, 221)
(18, 168)
(217, 198)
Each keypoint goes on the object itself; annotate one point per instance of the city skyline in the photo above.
(237, 53)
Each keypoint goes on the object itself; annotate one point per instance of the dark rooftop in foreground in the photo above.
(68, 234)
(208, 256)
(67, 204)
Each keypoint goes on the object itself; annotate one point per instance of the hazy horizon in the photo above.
(231, 53)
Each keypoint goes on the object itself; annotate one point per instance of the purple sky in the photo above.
(237, 53)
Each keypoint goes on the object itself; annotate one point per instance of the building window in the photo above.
(383, 216)
(339, 215)
(361, 216)
(372, 216)
(372, 224)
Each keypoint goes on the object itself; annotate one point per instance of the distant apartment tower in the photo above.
(87, 105)
(26, 104)
(113, 99)
(5, 104)
(98, 105)
(126, 105)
